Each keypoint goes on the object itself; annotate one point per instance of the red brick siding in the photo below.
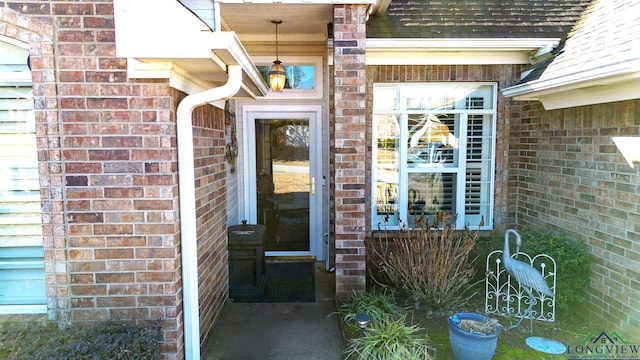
(107, 147)
(574, 180)
(332, 175)
(211, 212)
(349, 147)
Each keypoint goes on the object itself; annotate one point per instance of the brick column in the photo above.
(350, 146)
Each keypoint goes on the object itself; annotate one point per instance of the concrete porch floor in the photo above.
(283, 331)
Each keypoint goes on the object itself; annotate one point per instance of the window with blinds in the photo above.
(438, 155)
(22, 286)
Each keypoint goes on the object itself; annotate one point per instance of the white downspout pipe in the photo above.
(186, 184)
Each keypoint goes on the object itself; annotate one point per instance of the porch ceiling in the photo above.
(304, 28)
(302, 19)
(300, 22)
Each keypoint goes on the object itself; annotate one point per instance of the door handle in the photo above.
(313, 186)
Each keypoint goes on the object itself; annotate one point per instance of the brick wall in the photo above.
(349, 146)
(211, 212)
(108, 165)
(573, 179)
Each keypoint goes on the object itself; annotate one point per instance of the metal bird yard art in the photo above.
(519, 282)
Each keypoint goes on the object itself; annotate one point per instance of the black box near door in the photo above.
(246, 261)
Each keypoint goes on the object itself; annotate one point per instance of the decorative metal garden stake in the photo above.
(528, 277)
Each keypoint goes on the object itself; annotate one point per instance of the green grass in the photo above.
(416, 326)
(511, 343)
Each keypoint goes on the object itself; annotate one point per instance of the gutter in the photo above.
(186, 185)
(606, 75)
(458, 44)
(454, 51)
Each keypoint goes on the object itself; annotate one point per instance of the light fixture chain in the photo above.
(277, 74)
(277, 41)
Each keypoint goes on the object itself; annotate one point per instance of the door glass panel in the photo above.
(282, 165)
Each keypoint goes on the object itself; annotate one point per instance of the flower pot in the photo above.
(471, 346)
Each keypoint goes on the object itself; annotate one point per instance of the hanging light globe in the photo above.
(277, 76)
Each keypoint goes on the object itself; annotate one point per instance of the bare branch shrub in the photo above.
(432, 263)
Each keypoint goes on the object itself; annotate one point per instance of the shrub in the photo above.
(434, 265)
(391, 339)
(572, 259)
(101, 341)
(571, 255)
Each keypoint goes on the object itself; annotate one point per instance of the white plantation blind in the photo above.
(479, 175)
(21, 252)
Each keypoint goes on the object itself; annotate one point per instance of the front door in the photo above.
(284, 161)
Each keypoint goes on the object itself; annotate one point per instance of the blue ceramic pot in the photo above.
(469, 346)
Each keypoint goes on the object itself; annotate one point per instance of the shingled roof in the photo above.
(599, 62)
(434, 19)
(608, 35)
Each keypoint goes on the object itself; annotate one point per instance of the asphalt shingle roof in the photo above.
(476, 19)
(609, 34)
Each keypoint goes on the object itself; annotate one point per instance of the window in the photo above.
(22, 287)
(303, 73)
(298, 77)
(433, 151)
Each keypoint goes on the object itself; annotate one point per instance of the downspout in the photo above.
(186, 184)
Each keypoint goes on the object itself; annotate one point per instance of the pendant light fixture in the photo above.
(277, 76)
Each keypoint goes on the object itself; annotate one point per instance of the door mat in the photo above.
(287, 281)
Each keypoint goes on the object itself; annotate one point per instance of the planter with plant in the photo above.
(473, 336)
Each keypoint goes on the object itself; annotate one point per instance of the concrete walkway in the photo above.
(283, 331)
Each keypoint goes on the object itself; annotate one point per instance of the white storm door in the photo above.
(283, 181)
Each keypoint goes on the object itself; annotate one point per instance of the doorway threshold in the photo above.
(289, 258)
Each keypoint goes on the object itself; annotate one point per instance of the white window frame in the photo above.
(461, 118)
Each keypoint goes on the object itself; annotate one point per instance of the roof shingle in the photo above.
(476, 19)
(608, 34)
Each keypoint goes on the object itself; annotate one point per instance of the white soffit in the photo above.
(617, 82)
(454, 51)
(158, 32)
